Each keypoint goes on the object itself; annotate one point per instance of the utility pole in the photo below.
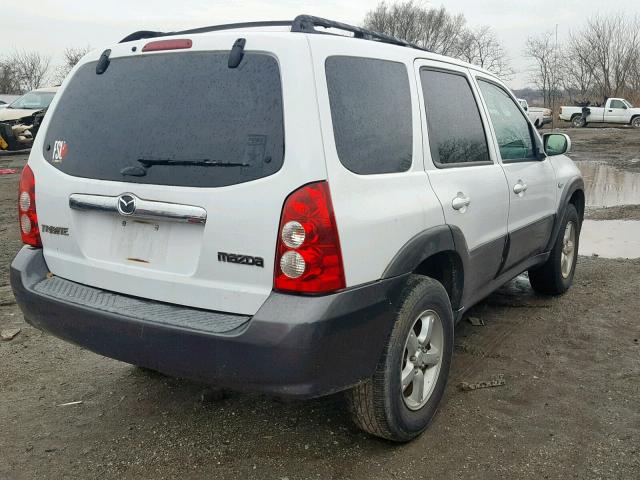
(554, 83)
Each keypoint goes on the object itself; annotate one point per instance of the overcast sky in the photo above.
(50, 26)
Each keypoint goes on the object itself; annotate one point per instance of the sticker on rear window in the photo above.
(254, 154)
(60, 149)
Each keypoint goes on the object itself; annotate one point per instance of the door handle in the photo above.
(520, 187)
(460, 202)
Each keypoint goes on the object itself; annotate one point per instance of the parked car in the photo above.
(615, 110)
(18, 119)
(538, 116)
(410, 188)
(6, 100)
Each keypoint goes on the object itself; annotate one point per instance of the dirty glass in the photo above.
(185, 108)
(511, 127)
(33, 101)
(556, 144)
(456, 134)
(371, 113)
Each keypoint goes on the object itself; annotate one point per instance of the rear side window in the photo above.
(371, 113)
(182, 119)
(456, 134)
(511, 127)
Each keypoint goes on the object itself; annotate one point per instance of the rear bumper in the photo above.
(293, 346)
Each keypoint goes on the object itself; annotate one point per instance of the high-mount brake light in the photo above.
(179, 44)
(308, 256)
(27, 216)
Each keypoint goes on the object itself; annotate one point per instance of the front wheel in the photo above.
(555, 276)
(635, 123)
(402, 397)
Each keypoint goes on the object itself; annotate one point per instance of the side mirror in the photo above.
(556, 144)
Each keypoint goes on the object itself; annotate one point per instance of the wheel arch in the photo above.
(439, 253)
(573, 193)
(578, 200)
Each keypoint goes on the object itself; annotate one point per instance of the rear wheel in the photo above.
(402, 397)
(579, 121)
(556, 275)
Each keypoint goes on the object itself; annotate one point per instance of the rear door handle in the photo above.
(460, 202)
(520, 187)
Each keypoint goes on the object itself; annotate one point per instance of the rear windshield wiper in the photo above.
(141, 171)
(148, 162)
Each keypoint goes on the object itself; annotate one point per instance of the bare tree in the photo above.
(9, 81)
(32, 69)
(634, 80)
(72, 55)
(541, 50)
(432, 28)
(440, 32)
(481, 47)
(576, 75)
(609, 46)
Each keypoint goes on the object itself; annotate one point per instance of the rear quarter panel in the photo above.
(376, 214)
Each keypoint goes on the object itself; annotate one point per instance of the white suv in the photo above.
(268, 208)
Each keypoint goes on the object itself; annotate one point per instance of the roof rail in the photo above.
(301, 24)
(142, 34)
(307, 24)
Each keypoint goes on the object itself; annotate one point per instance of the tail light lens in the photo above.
(308, 257)
(27, 216)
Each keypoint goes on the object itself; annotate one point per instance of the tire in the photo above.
(380, 406)
(579, 121)
(635, 122)
(555, 276)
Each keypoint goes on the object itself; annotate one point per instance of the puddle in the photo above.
(610, 238)
(607, 186)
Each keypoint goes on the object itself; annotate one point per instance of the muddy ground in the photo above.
(570, 406)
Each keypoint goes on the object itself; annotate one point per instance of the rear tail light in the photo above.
(27, 215)
(308, 257)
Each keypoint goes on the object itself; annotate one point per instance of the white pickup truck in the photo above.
(615, 110)
(538, 116)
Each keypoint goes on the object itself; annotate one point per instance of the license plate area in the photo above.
(141, 242)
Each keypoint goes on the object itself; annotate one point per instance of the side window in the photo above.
(617, 104)
(456, 134)
(371, 112)
(511, 127)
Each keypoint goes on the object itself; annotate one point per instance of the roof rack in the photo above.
(301, 24)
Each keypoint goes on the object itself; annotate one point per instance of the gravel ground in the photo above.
(570, 406)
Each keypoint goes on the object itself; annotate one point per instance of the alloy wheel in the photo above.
(422, 359)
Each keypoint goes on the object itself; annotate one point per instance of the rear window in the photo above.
(371, 113)
(182, 119)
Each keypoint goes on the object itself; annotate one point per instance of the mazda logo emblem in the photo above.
(126, 204)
